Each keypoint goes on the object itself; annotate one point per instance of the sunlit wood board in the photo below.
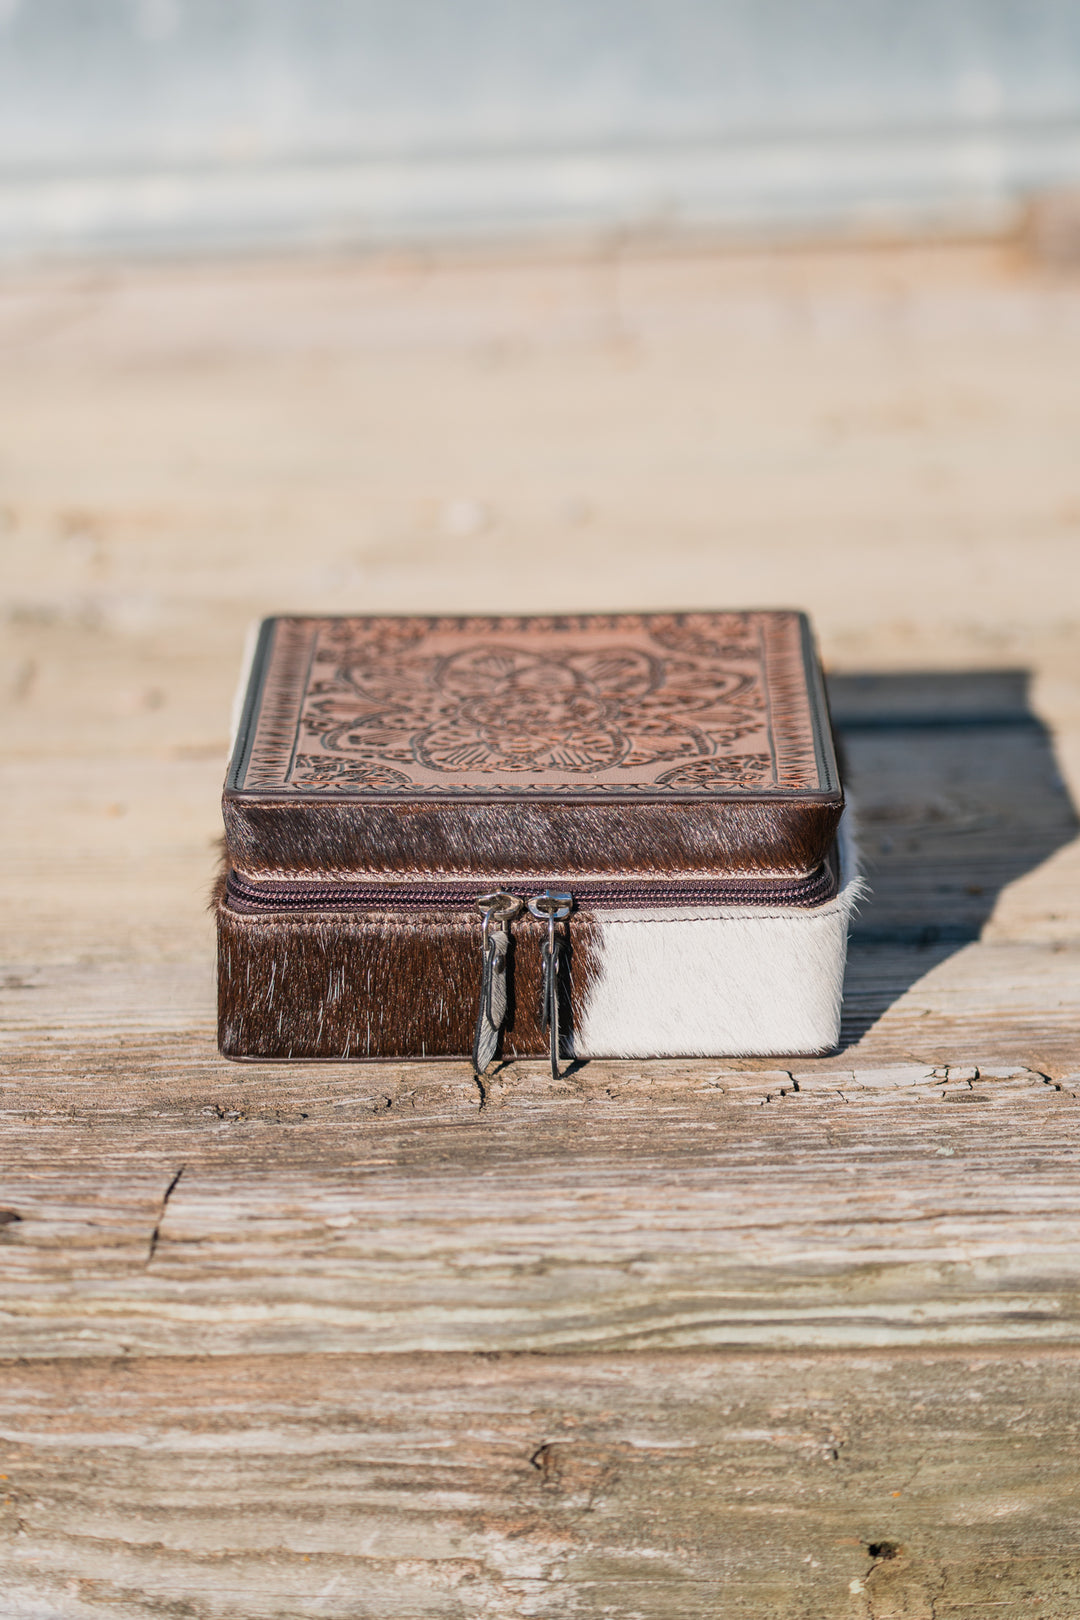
(796, 1337)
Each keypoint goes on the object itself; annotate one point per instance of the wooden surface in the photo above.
(663, 1339)
(890, 1486)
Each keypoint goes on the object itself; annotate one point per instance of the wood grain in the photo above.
(875, 1487)
(664, 1204)
(665, 1338)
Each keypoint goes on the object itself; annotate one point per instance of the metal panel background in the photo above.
(172, 123)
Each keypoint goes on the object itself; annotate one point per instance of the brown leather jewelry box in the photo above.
(596, 835)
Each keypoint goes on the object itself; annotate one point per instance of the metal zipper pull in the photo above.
(497, 909)
(552, 907)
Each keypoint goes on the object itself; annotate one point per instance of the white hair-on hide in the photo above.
(733, 980)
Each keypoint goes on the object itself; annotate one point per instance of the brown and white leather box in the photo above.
(601, 835)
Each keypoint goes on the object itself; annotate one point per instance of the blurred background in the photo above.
(179, 125)
(473, 305)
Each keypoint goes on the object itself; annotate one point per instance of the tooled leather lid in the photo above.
(661, 742)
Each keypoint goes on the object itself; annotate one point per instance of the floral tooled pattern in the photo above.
(398, 704)
(320, 770)
(522, 711)
(733, 770)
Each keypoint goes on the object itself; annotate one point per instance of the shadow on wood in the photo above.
(958, 793)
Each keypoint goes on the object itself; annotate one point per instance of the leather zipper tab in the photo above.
(552, 906)
(497, 909)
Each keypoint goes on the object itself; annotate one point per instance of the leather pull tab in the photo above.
(553, 907)
(549, 996)
(497, 910)
(492, 1013)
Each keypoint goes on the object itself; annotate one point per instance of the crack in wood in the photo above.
(156, 1233)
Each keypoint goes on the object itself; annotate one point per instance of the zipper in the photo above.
(591, 894)
(498, 908)
(553, 906)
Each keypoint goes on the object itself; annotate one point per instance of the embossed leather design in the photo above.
(353, 723)
(689, 703)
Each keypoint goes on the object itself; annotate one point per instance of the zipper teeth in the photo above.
(811, 890)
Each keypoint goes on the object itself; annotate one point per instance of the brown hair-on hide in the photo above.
(300, 838)
(367, 985)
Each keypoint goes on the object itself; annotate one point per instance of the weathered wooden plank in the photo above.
(885, 439)
(875, 1486)
(888, 440)
(392, 1207)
